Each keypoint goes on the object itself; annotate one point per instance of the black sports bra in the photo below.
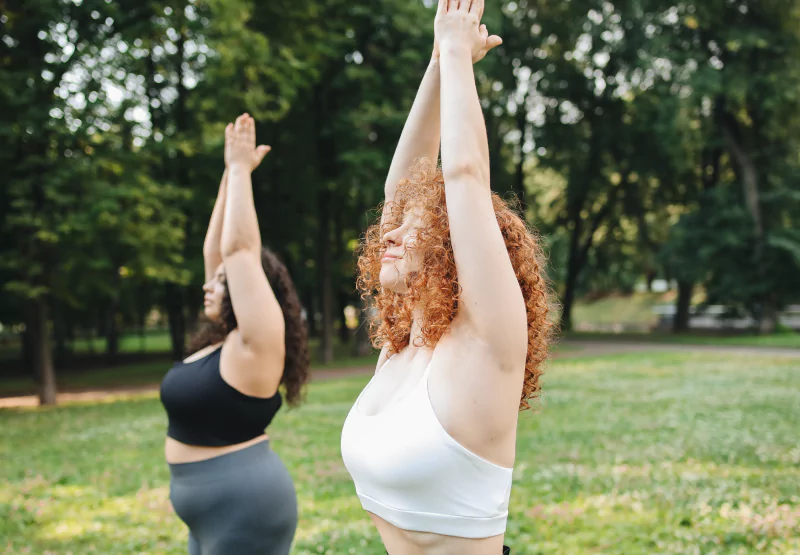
(203, 409)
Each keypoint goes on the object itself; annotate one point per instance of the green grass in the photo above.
(156, 342)
(777, 340)
(631, 454)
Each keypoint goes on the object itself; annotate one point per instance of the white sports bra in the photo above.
(410, 472)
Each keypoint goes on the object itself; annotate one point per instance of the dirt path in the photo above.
(572, 349)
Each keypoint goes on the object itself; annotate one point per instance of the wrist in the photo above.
(239, 166)
(454, 50)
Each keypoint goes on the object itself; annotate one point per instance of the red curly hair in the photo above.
(437, 282)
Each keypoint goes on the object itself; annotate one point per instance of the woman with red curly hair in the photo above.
(457, 281)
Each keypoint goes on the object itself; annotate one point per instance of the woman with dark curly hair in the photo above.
(457, 280)
(228, 486)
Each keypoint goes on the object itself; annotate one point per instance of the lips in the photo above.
(390, 257)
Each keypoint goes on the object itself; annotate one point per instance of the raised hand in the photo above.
(240, 144)
(457, 23)
(491, 42)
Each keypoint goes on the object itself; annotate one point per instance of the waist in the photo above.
(176, 452)
(412, 542)
(440, 523)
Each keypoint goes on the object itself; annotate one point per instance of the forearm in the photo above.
(421, 133)
(240, 230)
(465, 147)
(211, 245)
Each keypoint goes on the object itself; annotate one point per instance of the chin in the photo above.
(391, 280)
(211, 314)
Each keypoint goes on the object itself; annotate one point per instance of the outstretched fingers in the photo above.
(239, 125)
(476, 7)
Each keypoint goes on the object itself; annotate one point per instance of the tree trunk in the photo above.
(326, 277)
(41, 351)
(311, 313)
(749, 177)
(769, 315)
(344, 331)
(112, 329)
(177, 323)
(519, 176)
(573, 267)
(651, 277)
(361, 342)
(60, 333)
(680, 322)
(90, 333)
(27, 351)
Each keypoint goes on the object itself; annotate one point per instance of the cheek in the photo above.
(413, 260)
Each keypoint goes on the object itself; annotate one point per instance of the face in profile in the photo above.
(214, 291)
(401, 255)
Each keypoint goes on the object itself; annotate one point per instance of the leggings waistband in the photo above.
(238, 459)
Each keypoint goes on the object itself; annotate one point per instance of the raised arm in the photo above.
(212, 254)
(422, 132)
(258, 314)
(420, 136)
(212, 246)
(491, 300)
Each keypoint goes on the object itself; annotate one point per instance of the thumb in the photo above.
(493, 41)
(261, 151)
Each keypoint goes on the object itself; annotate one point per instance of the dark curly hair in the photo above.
(437, 282)
(298, 359)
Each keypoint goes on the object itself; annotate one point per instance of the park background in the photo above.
(653, 144)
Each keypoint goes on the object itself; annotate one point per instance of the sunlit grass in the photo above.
(783, 340)
(630, 454)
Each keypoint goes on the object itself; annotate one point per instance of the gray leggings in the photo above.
(241, 503)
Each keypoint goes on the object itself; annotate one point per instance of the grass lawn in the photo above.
(778, 340)
(631, 454)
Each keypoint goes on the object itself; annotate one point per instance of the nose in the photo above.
(392, 238)
(207, 288)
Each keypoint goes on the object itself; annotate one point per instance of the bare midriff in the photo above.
(178, 453)
(407, 542)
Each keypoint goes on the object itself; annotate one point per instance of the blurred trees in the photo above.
(644, 139)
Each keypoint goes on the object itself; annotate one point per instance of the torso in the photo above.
(476, 401)
(176, 452)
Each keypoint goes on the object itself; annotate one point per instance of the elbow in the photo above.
(231, 248)
(462, 170)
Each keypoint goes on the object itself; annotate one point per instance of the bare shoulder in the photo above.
(253, 373)
(382, 358)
